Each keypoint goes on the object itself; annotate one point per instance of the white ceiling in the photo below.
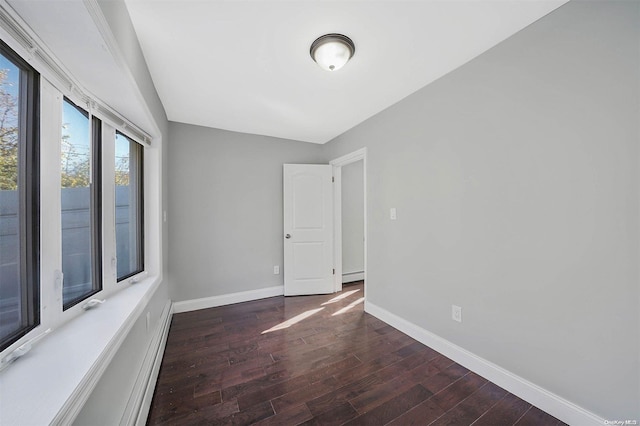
(245, 65)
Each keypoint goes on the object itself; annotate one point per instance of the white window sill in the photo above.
(51, 383)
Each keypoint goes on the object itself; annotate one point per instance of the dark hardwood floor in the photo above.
(318, 360)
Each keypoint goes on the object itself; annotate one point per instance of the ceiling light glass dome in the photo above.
(332, 51)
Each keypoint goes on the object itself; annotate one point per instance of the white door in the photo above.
(308, 229)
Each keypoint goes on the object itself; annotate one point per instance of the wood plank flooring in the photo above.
(318, 360)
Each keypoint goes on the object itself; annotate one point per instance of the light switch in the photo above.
(392, 213)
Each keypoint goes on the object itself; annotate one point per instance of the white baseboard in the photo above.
(137, 408)
(350, 277)
(227, 299)
(551, 403)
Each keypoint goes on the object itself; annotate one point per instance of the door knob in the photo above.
(287, 236)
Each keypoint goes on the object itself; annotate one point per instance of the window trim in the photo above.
(28, 195)
(74, 329)
(140, 207)
(95, 203)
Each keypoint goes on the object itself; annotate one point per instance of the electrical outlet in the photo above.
(456, 313)
(276, 270)
(392, 213)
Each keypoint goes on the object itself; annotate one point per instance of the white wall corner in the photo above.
(553, 404)
(227, 299)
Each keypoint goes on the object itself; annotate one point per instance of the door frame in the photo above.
(337, 165)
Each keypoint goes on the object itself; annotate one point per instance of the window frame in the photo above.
(28, 195)
(139, 205)
(73, 330)
(95, 206)
(47, 297)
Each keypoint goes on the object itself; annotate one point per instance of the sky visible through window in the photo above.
(75, 127)
(10, 83)
(123, 146)
(76, 151)
(10, 276)
(9, 116)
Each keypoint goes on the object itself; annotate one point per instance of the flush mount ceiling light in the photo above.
(332, 51)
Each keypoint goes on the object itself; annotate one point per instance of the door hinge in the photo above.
(333, 179)
(334, 271)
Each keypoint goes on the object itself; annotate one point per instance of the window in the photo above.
(129, 207)
(19, 198)
(81, 205)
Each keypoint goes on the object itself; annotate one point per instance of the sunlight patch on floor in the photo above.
(340, 297)
(349, 306)
(288, 323)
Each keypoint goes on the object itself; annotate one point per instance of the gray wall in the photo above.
(108, 400)
(352, 218)
(225, 196)
(516, 183)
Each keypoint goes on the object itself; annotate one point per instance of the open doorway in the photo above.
(353, 223)
(350, 219)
